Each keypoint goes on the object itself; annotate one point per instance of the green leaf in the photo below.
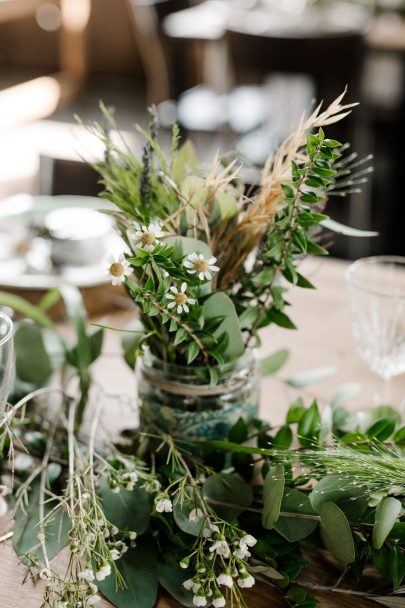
(139, 570)
(130, 343)
(180, 336)
(386, 515)
(391, 601)
(336, 533)
(397, 566)
(343, 491)
(295, 411)
(311, 376)
(227, 488)
(127, 510)
(272, 363)
(382, 429)
(239, 432)
(292, 529)
(26, 527)
(25, 308)
(399, 436)
(279, 318)
(309, 426)
(181, 514)
(220, 305)
(248, 317)
(346, 230)
(273, 489)
(283, 438)
(192, 352)
(33, 363)
(344, 393)
(172, 580)
(186, 246)
(226, 205)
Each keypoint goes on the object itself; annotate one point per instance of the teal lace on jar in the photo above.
(180, 400)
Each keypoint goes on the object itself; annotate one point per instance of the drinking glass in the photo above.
(6, 357)
(377, 294)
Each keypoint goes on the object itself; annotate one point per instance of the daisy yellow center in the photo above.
(180, 299)
(116, 269)
(201, 265)
(148, 238)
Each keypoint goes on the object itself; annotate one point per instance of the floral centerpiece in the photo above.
(208, 260)
(203, 510)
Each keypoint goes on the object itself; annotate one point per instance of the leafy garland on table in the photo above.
(205, 519)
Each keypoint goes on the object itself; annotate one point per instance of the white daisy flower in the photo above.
(248, 540)
(246, 580)
(225, 579)
(149, 236)
(118, 269)
(196, 263)
(180, 299)
(163, 504)
(195, 515)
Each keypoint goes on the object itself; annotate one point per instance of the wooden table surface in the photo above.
(323, 338)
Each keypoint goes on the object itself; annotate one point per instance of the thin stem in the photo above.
(37, 393)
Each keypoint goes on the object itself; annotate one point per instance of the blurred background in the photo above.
(235, 74)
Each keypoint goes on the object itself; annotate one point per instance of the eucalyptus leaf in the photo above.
(290, 528)
(386, 515)
(26, 528)
(181, 513)
(220, 305)
(342, 490)
(311, 376)
(230, 489)
(336, 533)
(139, 569)
(346, 230)
(33, 363)
(128, 510)
(273, 489)
(187, 245)
(391, 601)
(130, 342)
(272, 363)
(172, 580)
(309, 426)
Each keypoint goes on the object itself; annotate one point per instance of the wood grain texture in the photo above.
(323, 338)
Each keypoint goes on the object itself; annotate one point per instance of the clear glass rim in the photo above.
(376, 259)
(9, 325)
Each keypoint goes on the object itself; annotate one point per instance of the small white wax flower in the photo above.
(196, 263)
(221, 547)
(61, 605)
(242, 552)
(199, 600)
(4, 490)
(188, 584)
(129, 480)
(149, 236)
(132, 535)
(118, 269)
(45, 574)
(115, 554)
(195, 515)
(179, 299)
(248, 540)
(163, 504)
(208, 532)
(246, 581)
(93, 600)
(103, 572)
(86, 575)
(185, 562)
(225, 579)
(114, 530)
(219, 600)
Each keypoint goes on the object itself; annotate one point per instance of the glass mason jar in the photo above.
(179, 399)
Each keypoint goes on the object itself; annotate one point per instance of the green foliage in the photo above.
(139, 569)
(230, 489)
(128, 510)
(336, 533)
(273, 489)
(386, 515)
